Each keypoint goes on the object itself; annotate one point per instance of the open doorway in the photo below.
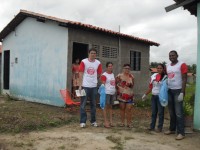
(6, 70)
(79, 51)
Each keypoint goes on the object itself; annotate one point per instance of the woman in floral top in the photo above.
(124, 85)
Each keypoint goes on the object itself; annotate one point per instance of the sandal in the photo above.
(111, 125)
(130, 126)
(106, 126)
(122, 125)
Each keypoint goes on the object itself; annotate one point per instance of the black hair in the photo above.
(74, 61)
(126, 65)
(174, 51)
(108, 63)
(164, 70)
(92, 49)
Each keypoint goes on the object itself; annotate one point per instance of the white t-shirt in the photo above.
(174, 74)
(110, 83)
(155, 83)
(90, 72)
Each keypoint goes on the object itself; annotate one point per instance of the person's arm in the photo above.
(184, 81)
(133, 80)
(81, 71)
(184, 70)
(148, 91)
(99, 71)
(103, 79)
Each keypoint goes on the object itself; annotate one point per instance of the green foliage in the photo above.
(192, 68)
(146, 103)
(155, 64)
(189, 100)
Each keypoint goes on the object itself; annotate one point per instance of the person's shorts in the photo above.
(127, 101)
(110, 99)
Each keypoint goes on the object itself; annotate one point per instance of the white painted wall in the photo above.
(41, 71)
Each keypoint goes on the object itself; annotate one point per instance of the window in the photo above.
(109, 52)
(135, 59)
(113, 52)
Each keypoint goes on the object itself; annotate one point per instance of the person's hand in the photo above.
(144, 97)
(180, 97)
(102, 85)
(80, 88)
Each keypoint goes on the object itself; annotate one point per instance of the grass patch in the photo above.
(117, 141)
(61, 147)
(128, 138)
(189, 100)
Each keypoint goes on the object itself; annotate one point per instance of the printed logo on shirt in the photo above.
(171, 75)
(112, 82)
(90, 71)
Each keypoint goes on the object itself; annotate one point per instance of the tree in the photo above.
(155, 64)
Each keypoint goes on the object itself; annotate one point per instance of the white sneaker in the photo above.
(94, 124)
(180, 137)
(82, 125)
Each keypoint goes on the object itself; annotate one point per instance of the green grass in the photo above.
(189, 100)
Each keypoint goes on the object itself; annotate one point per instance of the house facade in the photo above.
(38, 52)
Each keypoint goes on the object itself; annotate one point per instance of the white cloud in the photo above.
(146, 19)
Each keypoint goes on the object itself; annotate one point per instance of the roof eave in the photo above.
(65, 23)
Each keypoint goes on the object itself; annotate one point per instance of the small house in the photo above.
(38, 51)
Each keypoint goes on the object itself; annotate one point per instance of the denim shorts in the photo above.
(110, 99)
(130, 101)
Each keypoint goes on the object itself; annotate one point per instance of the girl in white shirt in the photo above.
(108, 80)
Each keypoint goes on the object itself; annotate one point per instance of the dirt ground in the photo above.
(69, 136)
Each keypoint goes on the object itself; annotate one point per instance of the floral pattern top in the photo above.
(124, 85)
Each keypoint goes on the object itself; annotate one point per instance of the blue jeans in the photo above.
(176, 112)
(156, 109)
(91, 93)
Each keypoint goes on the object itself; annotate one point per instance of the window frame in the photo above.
(135, 60)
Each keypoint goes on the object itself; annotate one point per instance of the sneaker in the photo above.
(169, 132)
(82, 125)
(180, 137)
(150, 129)
(158, 130)
(94, 124)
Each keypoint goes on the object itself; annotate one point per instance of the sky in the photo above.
(175, 30)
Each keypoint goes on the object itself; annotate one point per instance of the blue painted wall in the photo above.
(41, 51)
(197, 93)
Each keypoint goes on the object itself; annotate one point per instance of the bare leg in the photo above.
(105, 110)
(110, 114)
(129, 114)
(122, 107)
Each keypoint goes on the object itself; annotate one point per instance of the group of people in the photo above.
(176, 72)
(90, 70)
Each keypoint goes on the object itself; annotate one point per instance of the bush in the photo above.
(189, 100)
(146, 103)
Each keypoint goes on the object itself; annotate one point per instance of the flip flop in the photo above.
(130, 126)
(106, 126)
(122, 125)
(111, 125)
